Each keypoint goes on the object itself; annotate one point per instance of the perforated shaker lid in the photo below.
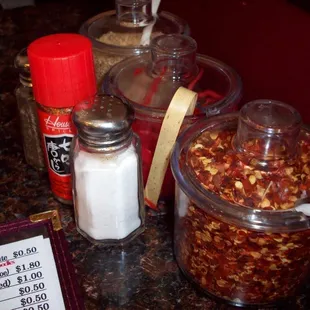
(104, 121)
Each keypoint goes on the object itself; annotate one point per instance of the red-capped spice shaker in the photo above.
(63, 75)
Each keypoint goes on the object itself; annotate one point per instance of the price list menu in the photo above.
(28, 276)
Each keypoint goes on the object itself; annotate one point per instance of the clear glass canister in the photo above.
(150, 81)
(107, 176)
(28, 114)
(117, 34)
(239, 179)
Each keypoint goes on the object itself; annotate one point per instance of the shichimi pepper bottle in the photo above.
(63, 75)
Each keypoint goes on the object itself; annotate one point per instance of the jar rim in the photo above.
(275, 221)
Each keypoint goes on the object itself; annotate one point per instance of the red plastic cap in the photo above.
(62, 70)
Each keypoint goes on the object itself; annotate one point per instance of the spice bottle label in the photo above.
(57, 134)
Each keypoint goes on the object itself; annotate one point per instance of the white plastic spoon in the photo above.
(147, 31)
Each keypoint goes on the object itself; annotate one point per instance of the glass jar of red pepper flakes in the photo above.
(117, 34)
(63, 75)
(239, 178)
(150, 81)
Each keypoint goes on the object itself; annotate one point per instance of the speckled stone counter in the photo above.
(142, 275)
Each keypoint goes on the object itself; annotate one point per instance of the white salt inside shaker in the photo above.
(107, 184)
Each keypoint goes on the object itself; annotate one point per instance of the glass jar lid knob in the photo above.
(268, 130)
(174, 56)
(134, 13)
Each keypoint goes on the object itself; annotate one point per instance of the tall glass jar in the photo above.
(150, 81)
(117, 34)
(240, 177)
(28, 114)
(107, 178)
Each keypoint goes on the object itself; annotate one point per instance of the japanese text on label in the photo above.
(58, 149)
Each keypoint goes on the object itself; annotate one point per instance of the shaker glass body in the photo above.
(29, 126)
(28, 113)
(108, 192)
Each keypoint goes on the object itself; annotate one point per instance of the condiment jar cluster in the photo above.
(92, 112)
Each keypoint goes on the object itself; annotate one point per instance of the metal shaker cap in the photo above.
(103, 122)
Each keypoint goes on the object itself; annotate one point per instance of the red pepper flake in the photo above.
(196, 79)
(211, 94)
(150, 204)
(153, 89)
(138, 71)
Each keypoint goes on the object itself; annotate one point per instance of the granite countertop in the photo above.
(143, 275)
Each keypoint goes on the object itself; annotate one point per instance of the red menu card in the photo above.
(36, 272)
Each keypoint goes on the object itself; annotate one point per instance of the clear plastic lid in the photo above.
(250, 169)
(121, 31)
(150, 81)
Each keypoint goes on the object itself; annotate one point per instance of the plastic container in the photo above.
(117, 34)
(239, 176)
(28, 116)
(149, 82)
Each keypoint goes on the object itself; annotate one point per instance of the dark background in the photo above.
(266, 41)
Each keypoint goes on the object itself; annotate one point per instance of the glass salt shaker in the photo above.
(28, 114)
(107, 172)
